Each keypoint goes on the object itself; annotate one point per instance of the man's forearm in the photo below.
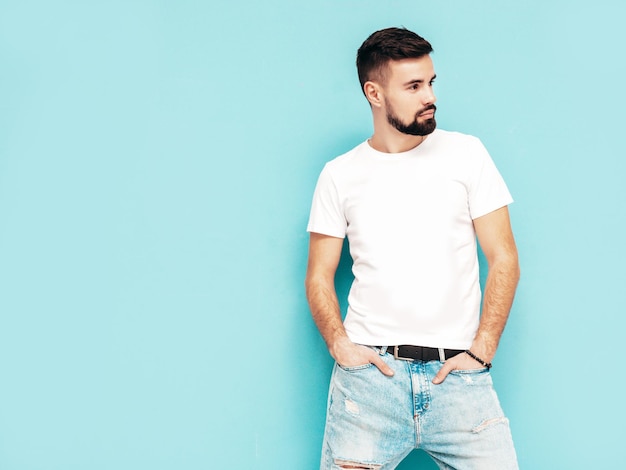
(500, 289)
(324, 306)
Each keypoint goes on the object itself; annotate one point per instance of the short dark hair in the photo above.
(386, 45)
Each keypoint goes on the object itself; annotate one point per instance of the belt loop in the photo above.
(383, 350)
(442, 355)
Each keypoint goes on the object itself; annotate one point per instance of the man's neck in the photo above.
(393, 141)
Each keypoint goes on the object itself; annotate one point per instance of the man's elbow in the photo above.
(507, 264)
(513, 268)
(314, 283)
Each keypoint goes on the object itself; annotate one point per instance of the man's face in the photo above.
(409, 98)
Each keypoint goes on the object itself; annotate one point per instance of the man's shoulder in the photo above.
(456, 145)
(346, 158)
(442, 135)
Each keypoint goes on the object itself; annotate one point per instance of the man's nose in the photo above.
(429, 97)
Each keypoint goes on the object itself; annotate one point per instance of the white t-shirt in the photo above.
(408, 217)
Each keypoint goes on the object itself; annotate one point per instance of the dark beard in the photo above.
(415, 128)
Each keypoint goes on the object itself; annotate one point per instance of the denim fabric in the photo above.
(374, 421)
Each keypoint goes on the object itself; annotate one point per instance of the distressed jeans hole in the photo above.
(488, 423)
(356, 465)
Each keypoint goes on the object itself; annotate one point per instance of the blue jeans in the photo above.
(373, 421)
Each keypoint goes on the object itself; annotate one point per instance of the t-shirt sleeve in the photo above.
(487, 191)
(327, 216)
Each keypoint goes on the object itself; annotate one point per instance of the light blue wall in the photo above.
(157, 161)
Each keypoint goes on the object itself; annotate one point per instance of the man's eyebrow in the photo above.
(417, 81)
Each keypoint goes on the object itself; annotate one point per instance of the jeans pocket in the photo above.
(462, 372)
(356, 368)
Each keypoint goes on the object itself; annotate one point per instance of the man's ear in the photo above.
(373, 93)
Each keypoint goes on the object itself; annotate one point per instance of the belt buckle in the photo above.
(395, 355)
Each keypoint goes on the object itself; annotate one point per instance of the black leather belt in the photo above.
(422, 353)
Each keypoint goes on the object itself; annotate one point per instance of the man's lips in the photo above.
(428, 113)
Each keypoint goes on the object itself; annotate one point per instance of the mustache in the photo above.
(427, 108)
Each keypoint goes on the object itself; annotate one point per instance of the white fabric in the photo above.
(408, 217)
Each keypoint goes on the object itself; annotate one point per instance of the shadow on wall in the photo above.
(344, 277)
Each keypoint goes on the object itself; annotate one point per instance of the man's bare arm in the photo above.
(496, 240)
(324, 255)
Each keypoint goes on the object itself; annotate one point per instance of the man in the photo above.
(414, 353)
